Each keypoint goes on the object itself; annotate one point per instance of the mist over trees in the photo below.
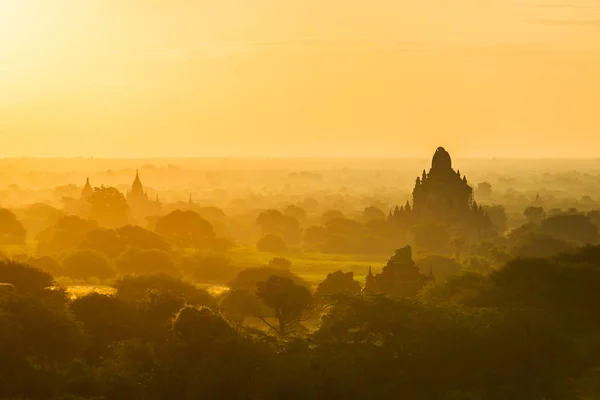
(359, 283)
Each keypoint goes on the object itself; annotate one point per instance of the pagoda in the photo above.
(400, 277)
(443, 196)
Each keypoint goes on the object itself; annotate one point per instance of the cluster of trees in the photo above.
(523, 331)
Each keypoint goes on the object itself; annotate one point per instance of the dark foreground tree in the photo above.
(287, 300)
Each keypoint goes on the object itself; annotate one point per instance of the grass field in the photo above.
(312, 267)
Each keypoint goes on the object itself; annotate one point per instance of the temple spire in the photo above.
(88, 191)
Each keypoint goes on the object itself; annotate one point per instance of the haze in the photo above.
(283, 79)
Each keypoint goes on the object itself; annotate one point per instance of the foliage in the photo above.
(67, 234)
(11, 229)
(571, 227)
(249, 278)
(136, 261)
(271, 244)
(106, 319)
(135, 287)
(25, 278)
(214, 268)
(338, 282)
(536, 245)
(273, 222)
(185, 229)
(534, 214)
(280, 262)
(108, 207)
(113, 242)
(287, 300)
(85, 264)
(199, 326)
(47, 264)
(241, 303)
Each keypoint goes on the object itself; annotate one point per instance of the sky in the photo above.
(377, 78)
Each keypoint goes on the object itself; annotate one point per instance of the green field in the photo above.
(312, 267)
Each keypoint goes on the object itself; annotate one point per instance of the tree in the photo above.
(484, 189)
(240, 304)
(37, 217)
(48, 334)
(248, 278)
(86, 264)
(67, 234)
(136, 261)
(200, 326)
(534, 214)
(109, 207)
(539, 245)
(113, 242)
(331, 215)
(314, 237)
(12, 231)
(135, 288)
(25, 278)
(136, 236)
(497, 215)
(372, 213)
(594, 217)
(296, 212)
(338, 282)
(215, 268)
(47, 264)
(575, 227)
(287, 300)
(105, 241)
(273, 222)
(280, 262)
(106, 319)
(184, 229)
(271, 244)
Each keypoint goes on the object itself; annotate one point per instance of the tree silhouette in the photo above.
(184, 229)
(86, 264)
(109, 207)
(11, 229)
(272, 244)
(287, 300)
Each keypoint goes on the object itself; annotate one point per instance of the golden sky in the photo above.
(146, 78)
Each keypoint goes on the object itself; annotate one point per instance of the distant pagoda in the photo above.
(443, 196)
(400, 277)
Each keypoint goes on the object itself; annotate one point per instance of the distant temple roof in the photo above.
(441, 160)
(87, 190)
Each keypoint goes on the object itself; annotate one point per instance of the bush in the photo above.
(136, 287)
(214, 268)
(11, 229)
(338, 282)
(271, 244)
(185, 229)
(48, 264)
(248, 278)
(280, 262)
(106, 319)
(200, 326)
(136, 261)
(25, 278)
(88, 264)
